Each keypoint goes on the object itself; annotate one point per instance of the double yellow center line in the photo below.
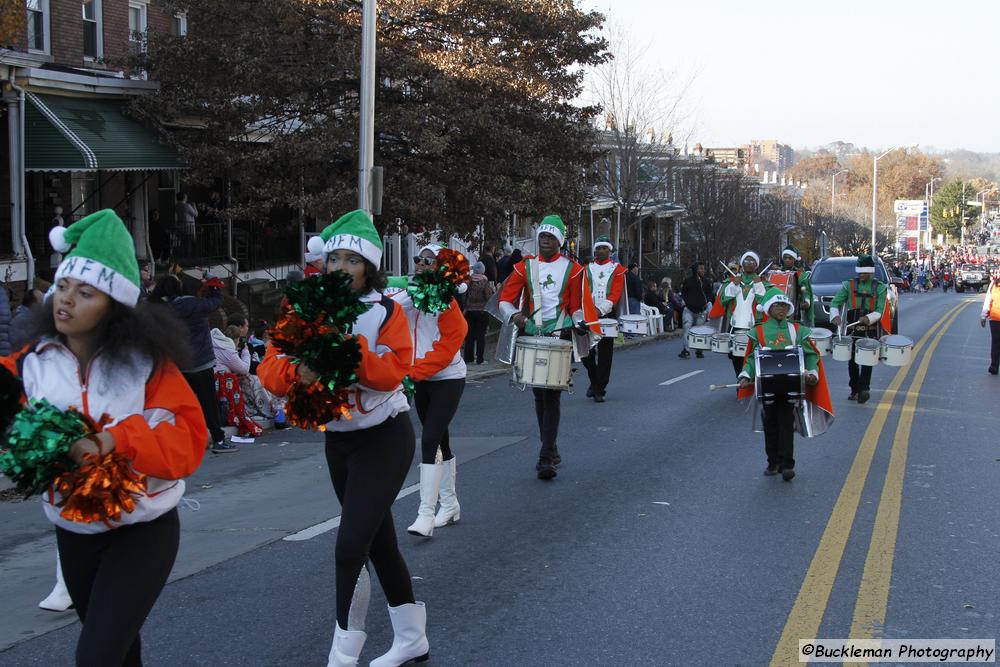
(810, 605)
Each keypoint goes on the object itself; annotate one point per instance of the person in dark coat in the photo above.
(194, 312)
(507, 263)
(696, 292)
(490, 263)
(23, 326)
(633, 288)
(4, 321)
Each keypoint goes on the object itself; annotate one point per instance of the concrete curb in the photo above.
(632, 342)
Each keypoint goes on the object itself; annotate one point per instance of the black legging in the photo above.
(114, 578)
(203, 385)
(475, 340)
(368, 468)
(547, 412)
(779, 434)
(436, 403)
(994, 344)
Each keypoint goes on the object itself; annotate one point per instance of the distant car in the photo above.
(830, 273)
(971, 276)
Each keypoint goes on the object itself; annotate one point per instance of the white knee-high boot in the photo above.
(409, 636)
(346, 649)
(58, 599)
(450, 511)
(430, 486)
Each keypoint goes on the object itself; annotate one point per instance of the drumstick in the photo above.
(726, 267)
(853, 324)
(760, 273)
(717, 387)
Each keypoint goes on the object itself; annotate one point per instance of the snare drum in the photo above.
(842, 348)
(722, 343)
(780, 374)
(700, 338)
(896, 350)
(609, 327)
(867, 351)
(635, 324)
(543, 362)
(822, 338)
(741, 343)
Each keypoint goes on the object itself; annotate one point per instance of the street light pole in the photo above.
(366, 134)
(875, 190)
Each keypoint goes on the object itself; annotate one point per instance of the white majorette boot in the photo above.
(58, 599)
(430, 486)
(449, 510)
(409, 636)
(346, 649)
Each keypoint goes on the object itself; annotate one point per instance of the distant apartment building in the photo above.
(737, 157)
(771, 155)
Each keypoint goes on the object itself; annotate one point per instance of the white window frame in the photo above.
(99, 19)
(143, 7)
(46, 29)
(182, 24)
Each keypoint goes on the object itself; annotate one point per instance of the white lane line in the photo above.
(330, 524)
(680, 377)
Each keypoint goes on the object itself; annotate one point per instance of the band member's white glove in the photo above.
(463, 288)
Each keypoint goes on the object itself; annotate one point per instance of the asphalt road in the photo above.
(660, 542)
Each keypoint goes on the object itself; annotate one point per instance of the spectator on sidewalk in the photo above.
(507, 264)
(489, 264)
(480, 291)
(232, 365)
(23, 326)
(194, 312)
(633, 288)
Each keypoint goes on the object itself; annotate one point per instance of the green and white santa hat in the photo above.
(353, 231)
(603, 241)
(750, 254)
(790, 251)
(866, 264)
(99, 252)
(775, 295)
(552, 224)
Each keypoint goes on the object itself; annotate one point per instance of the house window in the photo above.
(93, 38)
(180, 25)
(137, 27)
(38, 26)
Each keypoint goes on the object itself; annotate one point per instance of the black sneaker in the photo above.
(546, 471)
(991, 370)
(771, 470)
(590, 391)
(599, 397)
(863, 396)
(684, 354)
(556, 459)
(699, 354)
(788, 474)
(853, 396)
(223, 447)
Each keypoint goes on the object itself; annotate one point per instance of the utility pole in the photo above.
(366, 134)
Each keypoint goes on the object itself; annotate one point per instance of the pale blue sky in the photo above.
(876, 73)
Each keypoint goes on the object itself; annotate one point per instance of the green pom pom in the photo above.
(334, 358)
(39, 443)
(409, 386)
(328, 296)
(431, 292)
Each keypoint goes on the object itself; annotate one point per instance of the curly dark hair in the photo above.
(374, 278)
(148, 331)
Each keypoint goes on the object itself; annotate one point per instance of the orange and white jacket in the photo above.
(386, 351)
(156, 420)
(437, 339)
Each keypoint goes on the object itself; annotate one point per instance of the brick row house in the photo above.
(68, 147)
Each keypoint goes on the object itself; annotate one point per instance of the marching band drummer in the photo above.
(607, 282)
(790, 261)
(778, 333)
(741, 297)
(866, 301)
(554, 287)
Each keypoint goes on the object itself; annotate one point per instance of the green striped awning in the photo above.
(89, 134)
